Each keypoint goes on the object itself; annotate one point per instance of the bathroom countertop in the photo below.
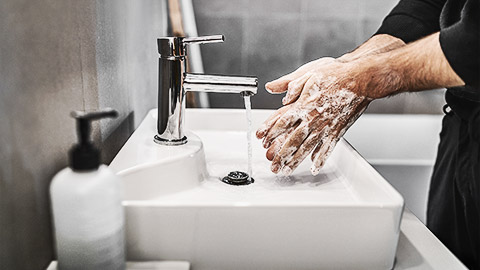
(418, 249)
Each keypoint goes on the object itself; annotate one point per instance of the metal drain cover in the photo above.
(238, 178)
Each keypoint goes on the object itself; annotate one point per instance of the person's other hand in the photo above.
(292, 83)
(324, 101)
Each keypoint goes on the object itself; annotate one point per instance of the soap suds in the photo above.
(336, 110)
(323, 110)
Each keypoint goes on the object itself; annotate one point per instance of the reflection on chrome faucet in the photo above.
(173, 82)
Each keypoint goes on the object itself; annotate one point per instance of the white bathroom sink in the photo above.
(347, 217)
(404, 153)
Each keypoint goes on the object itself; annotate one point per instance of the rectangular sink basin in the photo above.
(347, 217)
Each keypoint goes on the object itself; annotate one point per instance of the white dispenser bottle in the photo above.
(86, 203)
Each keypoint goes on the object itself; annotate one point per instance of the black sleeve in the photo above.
(461, 46)
(412, 19)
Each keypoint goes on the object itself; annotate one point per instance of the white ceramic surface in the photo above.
(402, 148)
(144, 165)
(347, 217)
(149, 265)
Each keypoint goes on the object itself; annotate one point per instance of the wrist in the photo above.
(375, 76)
(348, 57)
(375, 45)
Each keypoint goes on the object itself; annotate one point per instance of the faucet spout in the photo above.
(174, 82)
(244, 85)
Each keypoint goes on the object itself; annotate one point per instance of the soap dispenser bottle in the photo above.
(86, 203)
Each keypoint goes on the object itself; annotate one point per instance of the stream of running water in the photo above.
(248, 109)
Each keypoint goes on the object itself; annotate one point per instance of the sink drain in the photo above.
(238, 178)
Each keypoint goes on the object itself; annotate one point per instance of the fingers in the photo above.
(275, 147)
(286, 121)
(305, 148)
(330, 139)
(271, 120)
(309, 92)
(321, 140)
(325, 147)
(280, 85)
(277, 144)
(298, 144)
(303, 74)
(290, 146)
(295, 88)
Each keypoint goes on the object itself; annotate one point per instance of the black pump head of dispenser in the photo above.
(84, 156)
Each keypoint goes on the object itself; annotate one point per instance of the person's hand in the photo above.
(293, 82)
(324, 98)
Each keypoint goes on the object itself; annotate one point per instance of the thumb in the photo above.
(277, 86)
(280, 85)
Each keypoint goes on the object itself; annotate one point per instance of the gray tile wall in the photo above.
(270, 38)
(127, 64)
(57, 56)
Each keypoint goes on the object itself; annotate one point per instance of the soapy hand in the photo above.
(323, 99)
(292, 83)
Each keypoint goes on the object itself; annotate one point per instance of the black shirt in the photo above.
(458, 22)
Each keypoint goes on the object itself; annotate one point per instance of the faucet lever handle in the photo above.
(204, 39)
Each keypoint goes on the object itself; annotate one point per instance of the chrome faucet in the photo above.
(174, 81)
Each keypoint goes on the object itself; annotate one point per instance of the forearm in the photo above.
(375, 45)
(420, 65)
